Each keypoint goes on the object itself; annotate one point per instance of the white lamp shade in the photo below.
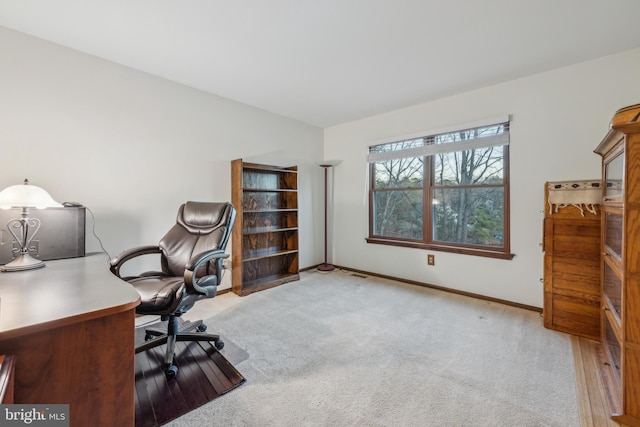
(26, 196)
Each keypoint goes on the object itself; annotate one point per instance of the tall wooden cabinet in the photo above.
(265, 234)
(571, 248)
(620, 277)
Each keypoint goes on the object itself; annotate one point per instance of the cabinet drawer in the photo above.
(576, 315)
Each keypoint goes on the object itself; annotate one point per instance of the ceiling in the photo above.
(327, 62)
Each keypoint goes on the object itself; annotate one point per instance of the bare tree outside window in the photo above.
(461, 195)
(468, 195)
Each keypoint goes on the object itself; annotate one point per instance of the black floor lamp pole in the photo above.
(326, 165)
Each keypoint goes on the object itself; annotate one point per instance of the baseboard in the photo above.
(423, 284)
(432, 286)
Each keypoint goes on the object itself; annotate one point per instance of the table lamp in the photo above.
(24, 196)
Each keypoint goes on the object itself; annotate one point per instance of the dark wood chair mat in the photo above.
(203, 374)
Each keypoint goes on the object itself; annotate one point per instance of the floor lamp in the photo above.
(326, 166)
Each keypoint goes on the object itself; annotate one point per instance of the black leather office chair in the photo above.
(191, 255)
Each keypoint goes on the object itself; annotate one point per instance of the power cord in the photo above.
(93, 230)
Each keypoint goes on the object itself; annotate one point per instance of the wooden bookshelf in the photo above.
(620, 273)
(265, 234)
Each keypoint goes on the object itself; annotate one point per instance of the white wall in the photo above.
(558, 118)
(132, 147)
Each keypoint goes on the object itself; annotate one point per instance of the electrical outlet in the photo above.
(431, 259)
(226, 264)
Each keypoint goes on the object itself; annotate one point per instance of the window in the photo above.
(445, 191)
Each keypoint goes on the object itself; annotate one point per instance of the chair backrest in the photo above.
(200, 227)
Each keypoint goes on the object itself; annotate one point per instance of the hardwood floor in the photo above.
(592, 402)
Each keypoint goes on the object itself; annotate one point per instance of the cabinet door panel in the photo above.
(612, 289)
(613, 233)
(612, 346)
(614, 178)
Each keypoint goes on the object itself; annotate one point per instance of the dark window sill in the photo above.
(443, 248)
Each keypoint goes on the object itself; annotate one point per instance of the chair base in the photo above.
(155, 337)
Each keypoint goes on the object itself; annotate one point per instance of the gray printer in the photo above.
(61, 234)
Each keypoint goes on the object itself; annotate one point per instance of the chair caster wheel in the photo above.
(219, 344)
(201, 328)
(171, 371)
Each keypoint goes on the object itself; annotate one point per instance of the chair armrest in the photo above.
(197, 261)
(118, 261)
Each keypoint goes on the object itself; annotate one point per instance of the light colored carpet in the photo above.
(334, 349)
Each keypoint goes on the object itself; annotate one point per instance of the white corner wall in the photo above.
(558, 118)
(132, 147)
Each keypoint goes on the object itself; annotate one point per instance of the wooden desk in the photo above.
(71, 327)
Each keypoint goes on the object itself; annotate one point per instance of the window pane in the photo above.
(396, 146)
(473, 216)
(471, 167)
(467, 134)
(400, 173)
(398, 214)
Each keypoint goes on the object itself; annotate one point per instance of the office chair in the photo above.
(191, 255)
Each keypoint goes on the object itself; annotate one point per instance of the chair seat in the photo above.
(158, 294)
